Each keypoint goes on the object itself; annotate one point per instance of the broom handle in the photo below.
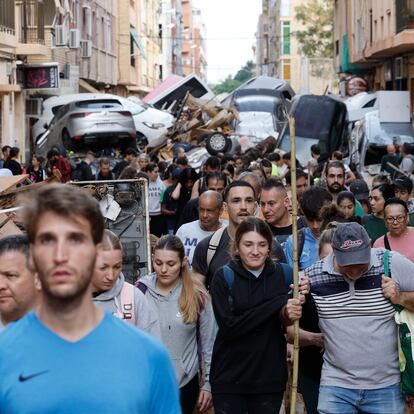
(295, 263)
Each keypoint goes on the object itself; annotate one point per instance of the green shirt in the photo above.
(374, 226)
(359, 211)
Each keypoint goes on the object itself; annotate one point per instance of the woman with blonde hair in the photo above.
(113, 294)
(186, 318)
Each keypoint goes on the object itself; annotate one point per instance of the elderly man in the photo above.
(360, 371)
(390, 157)
(18, 293)
(209, 209)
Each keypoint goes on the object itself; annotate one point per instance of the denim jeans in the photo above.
(337, 400)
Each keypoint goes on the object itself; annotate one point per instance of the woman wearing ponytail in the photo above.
(186, 318)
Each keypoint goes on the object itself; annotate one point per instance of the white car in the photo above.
(151, 124)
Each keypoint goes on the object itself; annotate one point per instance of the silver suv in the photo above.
(91, 125)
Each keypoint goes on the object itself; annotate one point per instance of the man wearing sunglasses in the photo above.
(400, 237)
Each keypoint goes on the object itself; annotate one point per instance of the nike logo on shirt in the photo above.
(23, 378)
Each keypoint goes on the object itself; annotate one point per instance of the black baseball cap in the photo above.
(351, 244)
(360, 189)
(404, 183)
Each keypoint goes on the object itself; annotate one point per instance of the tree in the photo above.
(245, 73)
(316, 38)
(231, 83)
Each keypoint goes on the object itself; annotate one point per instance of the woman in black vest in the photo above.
(248, 372)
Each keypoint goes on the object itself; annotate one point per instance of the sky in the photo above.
(230, 29)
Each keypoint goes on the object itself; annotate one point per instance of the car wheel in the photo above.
(141, 142)
(67, 141)
(216, 143)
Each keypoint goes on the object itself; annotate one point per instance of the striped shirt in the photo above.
(358, 322)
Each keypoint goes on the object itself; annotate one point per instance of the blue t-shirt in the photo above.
(309, 254)
(114, 369)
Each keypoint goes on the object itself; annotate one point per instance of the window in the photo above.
(104, 34)
(286, 70)
(132, 50)
(285, 38)
(102, 104)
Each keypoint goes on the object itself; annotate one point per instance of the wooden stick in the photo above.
(397, 169)
(294, 393)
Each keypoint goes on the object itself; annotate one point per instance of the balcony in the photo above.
(8, 39)
(404, 10)
(31, 27)
(7, 16)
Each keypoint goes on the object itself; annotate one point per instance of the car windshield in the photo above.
(107, 103)
(387, 132)
(258, 103)
(303, 146)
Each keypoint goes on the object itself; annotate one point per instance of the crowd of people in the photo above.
(220, 297)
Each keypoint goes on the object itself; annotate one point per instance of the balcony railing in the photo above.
(7, 16)
(404, 11)
(32, 21)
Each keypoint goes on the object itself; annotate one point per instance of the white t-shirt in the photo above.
(155, 189)
(191, 234)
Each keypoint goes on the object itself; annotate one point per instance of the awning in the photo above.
(85, 85)
(6, 89)
(138, 43)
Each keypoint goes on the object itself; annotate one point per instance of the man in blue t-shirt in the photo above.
(69, 357)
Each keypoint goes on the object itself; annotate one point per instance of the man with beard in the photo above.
(335, 178)
(274, 202)
(213, 252)
(87, 361)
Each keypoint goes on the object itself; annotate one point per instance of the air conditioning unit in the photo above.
(71, 72)
(60, 36)
(86, 48)
(34, 106)
(74, 38)
(399, 68)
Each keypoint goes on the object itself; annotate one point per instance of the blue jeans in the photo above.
(337, 400)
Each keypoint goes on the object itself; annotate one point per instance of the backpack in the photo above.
(213, 245)
(127, 311)
(143, 288)
(405, 323)
(301, 242)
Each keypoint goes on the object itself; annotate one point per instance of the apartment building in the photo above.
(139, 43)
(268, 40)
(375, 40)
(198, 46)
(12, 41)
(278, 52)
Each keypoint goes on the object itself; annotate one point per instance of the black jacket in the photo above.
(249, 355)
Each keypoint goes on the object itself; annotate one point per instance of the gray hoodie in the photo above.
(145, 317)
(181, 338)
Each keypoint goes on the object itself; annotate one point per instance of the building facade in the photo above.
(9, 90)
(278, 52)
(126, 47)
(375, 40)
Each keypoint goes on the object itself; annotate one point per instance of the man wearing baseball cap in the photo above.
(360, 371)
